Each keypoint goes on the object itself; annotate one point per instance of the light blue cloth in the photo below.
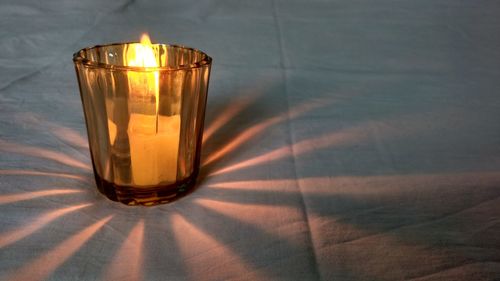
(346, 140)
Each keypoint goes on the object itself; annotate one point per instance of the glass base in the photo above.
(146, 196)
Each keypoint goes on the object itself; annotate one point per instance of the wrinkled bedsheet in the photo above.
(344, 140)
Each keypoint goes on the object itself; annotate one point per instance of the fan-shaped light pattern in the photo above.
(371, 129)
(199, 248)
(127, 262)
(10, 198)
(228, 114)
(301, 147)
(30, 227)
(43, 153)
(257, 129)
(253, 214)
(16, 172)
(41, 267)
(240, 139)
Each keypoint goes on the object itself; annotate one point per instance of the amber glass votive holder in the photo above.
(144, 107)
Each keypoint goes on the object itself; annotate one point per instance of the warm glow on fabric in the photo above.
(25, 230)
(44, 265)
(11, 198)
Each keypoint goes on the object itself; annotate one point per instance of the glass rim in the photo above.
(78, 57)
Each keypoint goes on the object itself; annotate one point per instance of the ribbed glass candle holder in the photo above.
(144, 106)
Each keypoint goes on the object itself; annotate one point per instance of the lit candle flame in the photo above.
(143, 55)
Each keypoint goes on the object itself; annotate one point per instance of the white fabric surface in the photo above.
(345, 140)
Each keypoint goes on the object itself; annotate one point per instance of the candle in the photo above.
(153, 138)
(153, 153)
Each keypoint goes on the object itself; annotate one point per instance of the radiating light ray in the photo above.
(199, 248)
(42, 153)
(10, 198)
(128, 261)
(227, 114)
(393, 184)
(30, 227)
(302, 108)
(44, 265)
(66, 134)
(352, 135)
(69, 135)
(241, 139)
(15, 172)
(305, 146)
(252, 214)
(268, 185)
(259, 128)
(363, 185)
(274, 155)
